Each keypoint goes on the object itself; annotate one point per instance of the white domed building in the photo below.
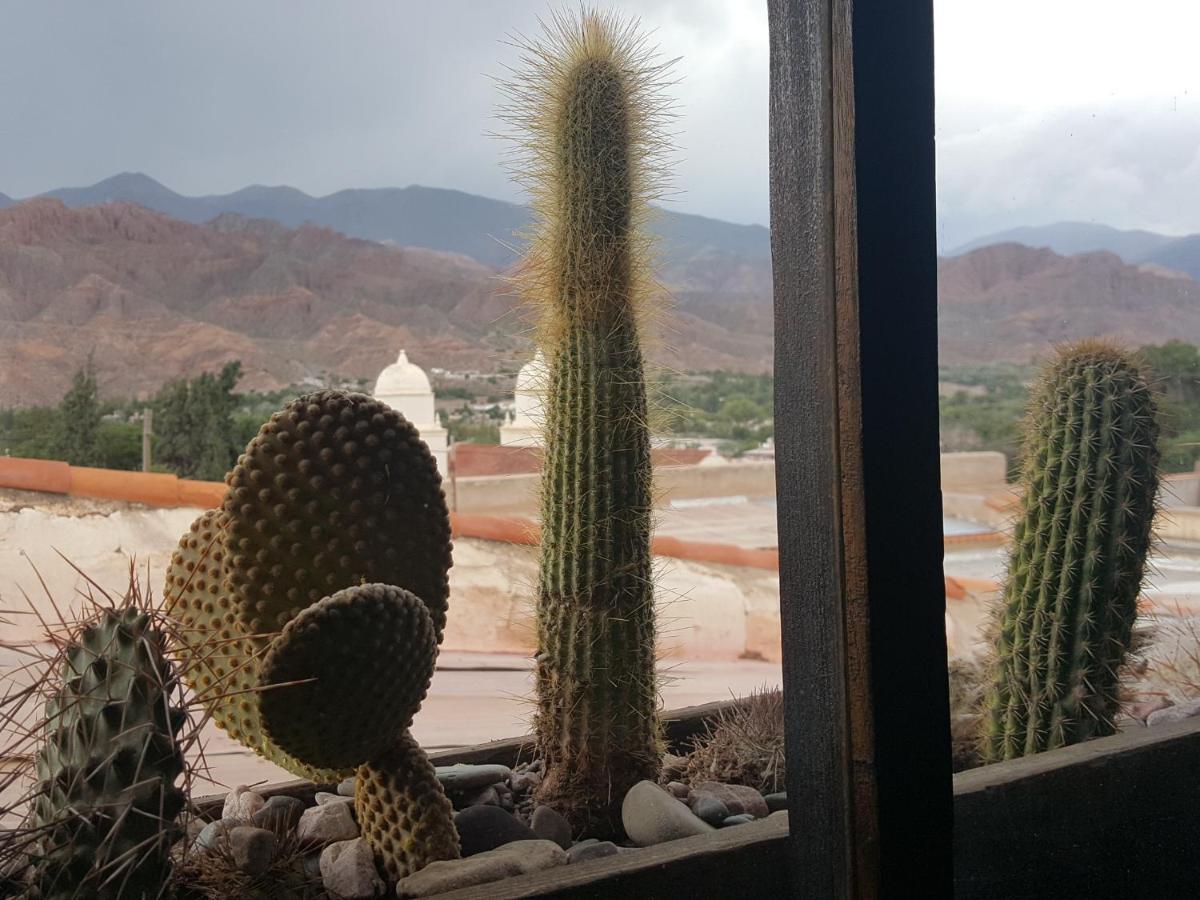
(406, 389)
(525, 430)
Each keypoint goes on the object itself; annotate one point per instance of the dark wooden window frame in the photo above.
(860, 519)
(875, 811)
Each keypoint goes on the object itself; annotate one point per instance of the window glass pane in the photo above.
(1066, 157)
(184, 255)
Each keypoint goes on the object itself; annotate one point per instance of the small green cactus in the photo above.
(335, 530)
(588, 111)
(1078, 553)
(107, 797)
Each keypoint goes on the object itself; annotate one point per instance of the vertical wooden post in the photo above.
(147, 434)
(860, 531)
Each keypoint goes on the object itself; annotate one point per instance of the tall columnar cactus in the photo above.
(1078, 554)
(589, 114)
(106, 800)
(317, 598)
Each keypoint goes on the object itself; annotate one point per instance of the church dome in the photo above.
(402, 379)
(530, 389)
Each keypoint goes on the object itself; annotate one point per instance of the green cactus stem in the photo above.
(589, 114)
(358, 664)
(402, 810)
(106, 798)
(1078, 554)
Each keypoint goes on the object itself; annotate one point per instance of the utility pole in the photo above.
(147, 433)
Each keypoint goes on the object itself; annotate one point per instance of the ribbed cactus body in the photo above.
(107, 796)
(1078, 554)
(590, 137)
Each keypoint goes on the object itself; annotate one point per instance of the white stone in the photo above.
(652, 816)
(327, 824)
(241, 804)
(516, 858)
(348, 871)
(1176, 713)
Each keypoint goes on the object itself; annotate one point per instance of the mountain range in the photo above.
(1009, 302)
(154, 297)
(484, 229)
(159, 285)
(1181, 254)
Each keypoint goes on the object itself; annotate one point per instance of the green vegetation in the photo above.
(194, 424)
(735, 407)
(1065, 626)
(80, 430)
(982, 406)
(1176, 369)
(464, 430)
(78, 420)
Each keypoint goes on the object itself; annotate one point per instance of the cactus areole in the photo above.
(1078, 554)
(588, 118)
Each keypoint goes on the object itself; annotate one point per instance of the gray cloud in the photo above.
(209, 97)
(1130, 165)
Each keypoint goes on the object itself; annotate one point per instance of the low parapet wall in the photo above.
(150, 488)
(156, 489)
(519, 493)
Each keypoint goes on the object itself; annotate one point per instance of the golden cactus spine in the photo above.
(588, 112)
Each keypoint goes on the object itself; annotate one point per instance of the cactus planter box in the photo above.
(1040, 804)
(752, 853)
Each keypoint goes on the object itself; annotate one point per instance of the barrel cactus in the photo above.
(318, 592)
(1078, 554)
(104, 808)
(588, 116)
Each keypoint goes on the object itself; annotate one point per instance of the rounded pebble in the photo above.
(484, 828)
(549, 824)
(711, 810)
(463, 777)
(597, 850)
(280, 814)
(252, 848)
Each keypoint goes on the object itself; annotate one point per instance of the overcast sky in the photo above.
(1047, 109)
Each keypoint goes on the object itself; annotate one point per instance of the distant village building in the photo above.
(406, 389)
(525, 429)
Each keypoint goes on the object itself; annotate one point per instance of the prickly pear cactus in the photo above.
(317, 598)
(587, 110)
(107, 796)
(1078, 553)
(402, 810)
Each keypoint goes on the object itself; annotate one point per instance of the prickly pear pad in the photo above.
(354, 668)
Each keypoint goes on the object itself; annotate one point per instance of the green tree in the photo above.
(78, 419)
(197, 435)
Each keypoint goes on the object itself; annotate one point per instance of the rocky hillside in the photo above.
(1009, 302)
(155, 297)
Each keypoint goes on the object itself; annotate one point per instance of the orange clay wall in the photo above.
(155, 489)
